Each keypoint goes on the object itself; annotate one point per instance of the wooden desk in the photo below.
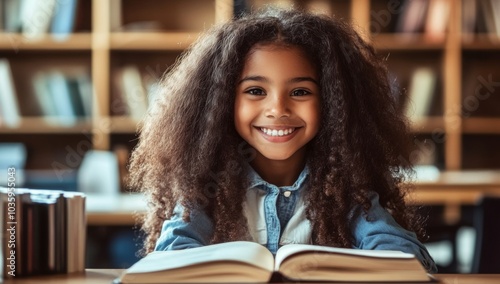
(456, 188)
(451, 189)
(106, 276)
(110, 210)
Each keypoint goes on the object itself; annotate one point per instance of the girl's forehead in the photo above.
(278, 62)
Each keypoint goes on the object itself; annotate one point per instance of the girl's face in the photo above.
(277, 101)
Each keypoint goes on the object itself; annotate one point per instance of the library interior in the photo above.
(76, 78)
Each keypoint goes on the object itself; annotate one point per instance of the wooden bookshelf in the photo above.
(77, 41)
(104, 49)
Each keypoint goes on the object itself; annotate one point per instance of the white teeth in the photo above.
(275, 132)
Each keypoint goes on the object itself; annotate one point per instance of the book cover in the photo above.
(2, 4)
(64, 19)
(11, 115)
(134, 92)
(488, 17)
(115, 15)
(469, 16)
(85, 92)
(437, 19)
(75, 231)
(413, 16)
(420, 93)
(12, 15)
(75, 97)
(61, 97)
(36, 16)
(495, 8)
(60, 234)
(44, 98)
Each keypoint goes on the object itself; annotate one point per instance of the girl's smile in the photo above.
(278, 132)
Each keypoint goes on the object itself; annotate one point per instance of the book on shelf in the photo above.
(488, 18)
(131, 92)
(64, 19)
(469, 17)
(63, 98)
(495, 8)
(491, 15)
(115, 15)
(36, 17)
(243, 261)
(49, 228)
(13, 155)
(43, 96)
(437, 19)
(12, 15)
(9, 106)
(420, 93)
(2, 8)
(413, 16)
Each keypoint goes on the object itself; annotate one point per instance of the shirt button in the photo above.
(287, 193)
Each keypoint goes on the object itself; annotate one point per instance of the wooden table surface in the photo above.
(106, 276)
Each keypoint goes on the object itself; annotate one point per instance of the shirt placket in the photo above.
(272, 221)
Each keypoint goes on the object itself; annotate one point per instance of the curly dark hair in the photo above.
(189, 152)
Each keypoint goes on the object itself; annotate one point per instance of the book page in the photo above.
(292, 249)
(317, 263)
(245, 252)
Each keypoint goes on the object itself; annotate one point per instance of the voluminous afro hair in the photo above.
(189, 152)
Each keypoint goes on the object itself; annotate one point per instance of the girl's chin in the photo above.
(276, 157)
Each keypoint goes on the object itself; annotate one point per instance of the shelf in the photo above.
(151, 40)
(16, 41)
(481, 42)
(37, 125)
(406, 42)
(124, 124)
(427, 125)
(481, 125)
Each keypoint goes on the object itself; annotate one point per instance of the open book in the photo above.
(251, 262)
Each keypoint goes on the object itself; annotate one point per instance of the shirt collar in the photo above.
(256, 180)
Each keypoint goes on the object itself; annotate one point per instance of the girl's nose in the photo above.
(277, 106)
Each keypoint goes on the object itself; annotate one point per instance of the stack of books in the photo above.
(42, 231)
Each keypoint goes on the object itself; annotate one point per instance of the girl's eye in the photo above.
(255, 92)
(300, 93)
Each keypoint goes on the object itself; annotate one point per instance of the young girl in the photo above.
(279, 127)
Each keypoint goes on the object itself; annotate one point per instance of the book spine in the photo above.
(64, 18)
(8, 98)
(36, 16)
(60, 238)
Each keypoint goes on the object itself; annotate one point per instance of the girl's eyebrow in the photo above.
(302, 79)
(265, 80)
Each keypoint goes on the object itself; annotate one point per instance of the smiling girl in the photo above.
(277, 128)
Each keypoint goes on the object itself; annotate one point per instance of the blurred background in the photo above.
(75, 79)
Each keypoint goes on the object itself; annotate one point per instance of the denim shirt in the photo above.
(276, 216)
